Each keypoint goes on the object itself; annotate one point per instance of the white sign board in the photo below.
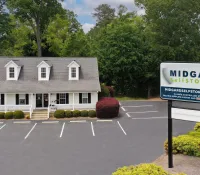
(186, 114)
(180, 81)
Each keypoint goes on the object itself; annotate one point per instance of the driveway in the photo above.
(87, 147)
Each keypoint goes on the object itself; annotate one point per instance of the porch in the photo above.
(48, 101)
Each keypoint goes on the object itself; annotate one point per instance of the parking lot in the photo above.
(87, 147)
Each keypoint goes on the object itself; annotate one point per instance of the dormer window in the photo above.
(44, 69)
(43, 72)
(73, 72)
(11, 72)
(13, 69)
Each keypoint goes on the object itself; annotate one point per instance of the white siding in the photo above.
(53, 98)
(10, 99)
(94, 97)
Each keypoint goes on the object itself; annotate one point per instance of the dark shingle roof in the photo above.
(59, 82)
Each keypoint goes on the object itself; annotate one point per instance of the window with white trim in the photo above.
(43, 72)
(85, 98)
(73, 72)
(62, 98)
(11, 72)
(22, 99)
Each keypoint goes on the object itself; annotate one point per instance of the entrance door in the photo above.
(46, 100)
(38, 100)
(42, 100)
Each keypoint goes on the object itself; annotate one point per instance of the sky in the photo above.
(85, 8)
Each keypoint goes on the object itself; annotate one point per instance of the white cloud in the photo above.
(86, 27)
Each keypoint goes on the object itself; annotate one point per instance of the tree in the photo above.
(37, 13)
(66, 39)
(122, 50)
(17, 39)
(121, 10)
(176, 25)
(104, 14)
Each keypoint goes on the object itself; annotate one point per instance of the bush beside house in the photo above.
(107, 108)
(2, 114)
(18, 114)
(143, 169)
(9, 115)
(76, 113)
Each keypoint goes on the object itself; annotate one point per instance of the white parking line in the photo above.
(78, 121)
(1, 122)
(22, 122)
(123, 109)
(149, 118)
(138, 106)
(104, 120)
(3, 126)
(92, 127)
(128, 115)
(49, 122)
(30, 131)
(61, 133)
(121, 128)
(142, 112)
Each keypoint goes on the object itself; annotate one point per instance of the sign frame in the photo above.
(170, 119)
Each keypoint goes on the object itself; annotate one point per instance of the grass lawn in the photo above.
(129, 98)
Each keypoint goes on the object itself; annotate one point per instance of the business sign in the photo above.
(180, 81)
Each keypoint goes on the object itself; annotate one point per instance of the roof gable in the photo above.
(11, 62)
(45, 63)
(74, 63)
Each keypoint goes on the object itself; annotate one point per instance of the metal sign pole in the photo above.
(170, 155)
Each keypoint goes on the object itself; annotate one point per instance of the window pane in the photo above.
(43, 69)
(85, 100)
(62, 96)
(73, 72)
(85, 95)
(11, 69)
(62, 101)
(43, 75)
(12, 75)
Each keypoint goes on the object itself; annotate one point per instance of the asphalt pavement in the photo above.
(87, 147)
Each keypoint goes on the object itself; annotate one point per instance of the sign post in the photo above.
(179, 82)
(170, 155)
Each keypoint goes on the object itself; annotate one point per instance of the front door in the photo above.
(42, 100)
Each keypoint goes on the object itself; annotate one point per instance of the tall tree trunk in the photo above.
(149, 91)
(38, 37)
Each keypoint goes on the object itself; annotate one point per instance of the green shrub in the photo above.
(84, 113)
(104, 92)
(76, 113)
(197, 127)
(9, 115)
(92, 113)
(185, 144)
(18, 114)
(142, 169)
(59, 114)
(68, 114)
(194, 133)
(2, 114)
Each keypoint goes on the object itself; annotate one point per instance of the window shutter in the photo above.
(2, 99)
(67, 98)
(27, 99)
(17, 99)
(89, 97)
(57, 99)
(80, 98)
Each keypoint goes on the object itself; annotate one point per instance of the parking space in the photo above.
(86, 147)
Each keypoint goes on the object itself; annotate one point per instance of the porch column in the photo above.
(49, 99)
(73, 101)
(5, 102)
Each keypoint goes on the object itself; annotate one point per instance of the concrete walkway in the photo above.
(186, 164)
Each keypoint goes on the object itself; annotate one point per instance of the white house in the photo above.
(31, 84)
